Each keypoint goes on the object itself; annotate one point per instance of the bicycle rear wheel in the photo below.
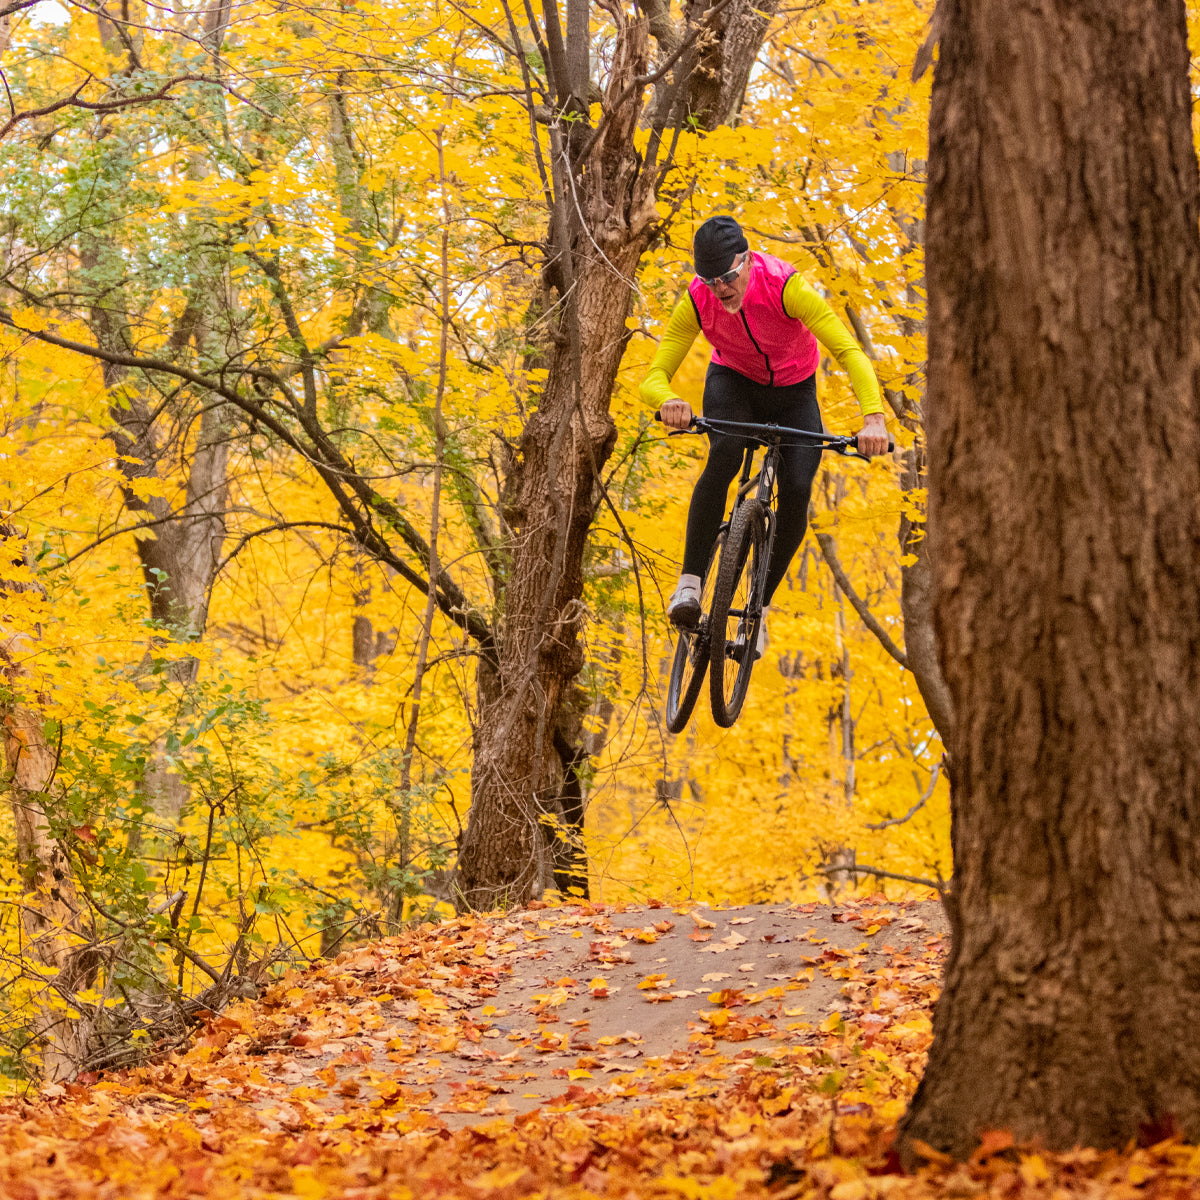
(690, 663)
(737, 611)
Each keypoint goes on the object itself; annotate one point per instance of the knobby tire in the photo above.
(690, 664)
(736, 612)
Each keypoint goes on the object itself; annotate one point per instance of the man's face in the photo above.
(732, 294)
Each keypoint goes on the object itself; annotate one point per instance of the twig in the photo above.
(176, 943)
(920, 804)
(879, 873)
(829, 550)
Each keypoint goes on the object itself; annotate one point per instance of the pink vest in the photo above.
(760, 341)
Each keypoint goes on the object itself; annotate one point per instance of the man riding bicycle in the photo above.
(764, 324)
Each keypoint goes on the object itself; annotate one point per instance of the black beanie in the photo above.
(718, 242)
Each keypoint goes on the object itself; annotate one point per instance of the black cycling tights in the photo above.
(729, 396)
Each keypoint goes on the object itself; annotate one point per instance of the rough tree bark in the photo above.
(504, 857)
(53, 921)
(1064, 290)
(601, 193)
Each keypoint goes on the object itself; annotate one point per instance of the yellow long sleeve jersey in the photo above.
(802, 303)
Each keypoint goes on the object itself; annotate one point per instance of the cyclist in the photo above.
(763, 323)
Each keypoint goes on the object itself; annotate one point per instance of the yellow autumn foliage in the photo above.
(295, 831)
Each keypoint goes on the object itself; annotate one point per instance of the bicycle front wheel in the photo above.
(737, 611)
(690, 663)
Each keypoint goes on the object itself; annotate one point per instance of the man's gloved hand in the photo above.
(677, 414)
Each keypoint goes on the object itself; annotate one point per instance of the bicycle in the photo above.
(731, 598)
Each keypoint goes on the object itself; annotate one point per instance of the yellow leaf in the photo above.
(1034, 1169)
(1140, 1173)
(655, 981)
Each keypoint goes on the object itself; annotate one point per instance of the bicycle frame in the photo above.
(772, 437)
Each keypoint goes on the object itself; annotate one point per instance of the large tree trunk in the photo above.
(602, 222)
(505, 853)
(1064, 288)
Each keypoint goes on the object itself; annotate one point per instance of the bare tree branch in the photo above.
(916, 808)
(335, 471)
(939, 886)
(829, 550)
(121, 102)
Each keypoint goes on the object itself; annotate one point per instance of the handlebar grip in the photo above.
(692, 424)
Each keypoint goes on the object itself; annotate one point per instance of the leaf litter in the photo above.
(485, 1057)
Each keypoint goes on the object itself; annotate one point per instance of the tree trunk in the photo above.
(506, 854)
(504, 858)
(180, 548)
(602, 193)
(718, 86)
(52, 920)
(1064, 291)
(180, 555)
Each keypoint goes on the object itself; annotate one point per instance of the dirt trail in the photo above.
(577, 1007)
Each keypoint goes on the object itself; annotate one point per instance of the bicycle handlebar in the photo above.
(846, 445)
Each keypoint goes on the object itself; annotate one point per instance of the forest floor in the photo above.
(578, 1051)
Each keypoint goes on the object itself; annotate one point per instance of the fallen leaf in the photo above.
(655, 981)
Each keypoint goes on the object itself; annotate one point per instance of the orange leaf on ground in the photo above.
(991, 1141)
